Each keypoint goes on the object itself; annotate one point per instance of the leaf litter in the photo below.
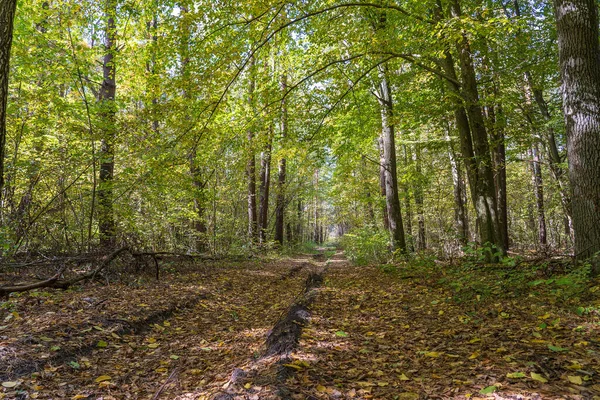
(372, 335)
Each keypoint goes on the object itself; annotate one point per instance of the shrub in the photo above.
(366, 246)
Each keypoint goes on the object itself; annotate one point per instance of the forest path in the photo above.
(372, 334)
(378, 335)
(182, 349)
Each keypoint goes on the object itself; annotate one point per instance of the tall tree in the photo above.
(106, 97)
(251, 163)
(7, 15)
(579, 55)
(265, 184)
(388, 141)
(282, 170)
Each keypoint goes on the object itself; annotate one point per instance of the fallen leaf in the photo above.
(557, 349)
(575, 379)
(102, 378)
(488, 390)
(515, 375)
(538, 377)
(341, 334)
(10, 384)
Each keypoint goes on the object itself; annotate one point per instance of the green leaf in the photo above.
(341, 334)
(538, 377)
(515, 375)
(488, 390)
(557, 349)
(101, 343)
(74, 364)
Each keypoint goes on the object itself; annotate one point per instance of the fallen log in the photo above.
(55, 281)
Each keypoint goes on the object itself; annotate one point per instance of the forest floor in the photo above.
(408, 332)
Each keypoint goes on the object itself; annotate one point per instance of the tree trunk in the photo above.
(106, 96)
(474, 141)
(419, 200)
(389, 153)
(579, 54)
(281, 173)
(265, 183)
(251, 167)
(538, 190)
(461, 220)
(498, 149)
(410, 240)
(7, 15)
(386, 221)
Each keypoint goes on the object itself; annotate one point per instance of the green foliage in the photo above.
(366, 246)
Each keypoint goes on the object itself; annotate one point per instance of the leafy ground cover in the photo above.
(415, 331)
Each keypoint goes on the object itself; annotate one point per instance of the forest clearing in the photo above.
(292, 199)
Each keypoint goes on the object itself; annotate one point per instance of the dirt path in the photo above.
(334, 331)
(379, 336)
(222, 324)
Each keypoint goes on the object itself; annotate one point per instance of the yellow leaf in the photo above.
(404, 377)
(103, 378)
(538, 377)
(382, 383)
(153, 345)
(545, 316)
(474, 355)
(297, 367)
(575, 379)
(248, 385)
(575, 366)
(321, 388)
(79, 396)
(474, 340)
(151, 340)
(433, 354)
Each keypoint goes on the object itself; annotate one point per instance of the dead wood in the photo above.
(56, 283)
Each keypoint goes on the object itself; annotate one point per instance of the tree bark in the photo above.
(386, 221)
(281, 173)
(107, 96)
(7, 15)
(461, 220)
(251, 166)
(265, 183)
(419, 200)
(389, 153)
(579, 55)
(538, 189)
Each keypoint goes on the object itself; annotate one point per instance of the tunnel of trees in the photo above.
(396, 130)
(175, 126)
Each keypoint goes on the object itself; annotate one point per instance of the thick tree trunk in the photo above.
(281, 173)
(265, 183)
(389, 153)
(538, 189)
(7, 15)
(106, 96)
(579, 57)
